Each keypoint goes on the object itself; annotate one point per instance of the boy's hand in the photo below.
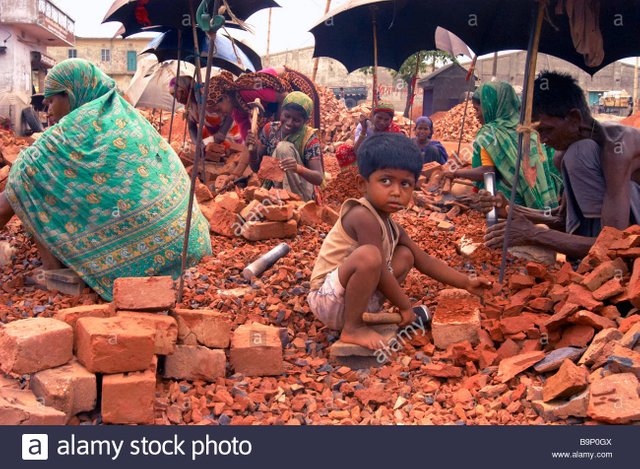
(408, 317)
(478, 285)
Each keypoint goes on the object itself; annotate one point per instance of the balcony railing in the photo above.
(56, 15)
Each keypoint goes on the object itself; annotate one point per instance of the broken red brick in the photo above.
(562, 316)
(624, 360)
(569, 380)
(442, 370)
(520, 281)
(144, 294)
(536, 270)
(69, 388)
(508, 349)
(608, 290)
(509, 368)
(270, 170)
(21, 407)
(587, 318)
(128, 398)
(256, 350)
(576, 336)
(114, 345)
(598, 345)
(194, 362)
(311, 214)
(614, 399)
(30, 345)
(71, 315)
(231, 202)
(543, 305)
(633, 289)
(203, 327)
(581, 296)
(329, 215)
(603, 273)
(203, 194)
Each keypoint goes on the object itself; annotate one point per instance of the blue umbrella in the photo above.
(230, 54)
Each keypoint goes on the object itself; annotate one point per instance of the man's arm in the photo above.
(6, 212)
(616, 167)
(474, 174)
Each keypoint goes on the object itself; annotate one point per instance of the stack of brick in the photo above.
(566, 326)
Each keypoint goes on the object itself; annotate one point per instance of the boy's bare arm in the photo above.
(362, 225)
(6, 212)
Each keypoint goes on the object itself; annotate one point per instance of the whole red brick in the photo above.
(165, 326)
(129, 398)
(569, 380)
(256, 350)
(31, 345)
(278, 212)
(203, 327)
(69, 388)
(21, 407)
(114, 345)
(194, 362)
(144, 294)
(260, 231)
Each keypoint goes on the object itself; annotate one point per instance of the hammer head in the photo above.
(256, 105)
(423, 314)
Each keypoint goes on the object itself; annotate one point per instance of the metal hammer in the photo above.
(256, 109)
(421, 311)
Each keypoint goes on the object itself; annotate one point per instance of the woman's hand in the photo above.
(219, 137)
(215, 151)
(363, 120)
(251, 140)
(289, 164)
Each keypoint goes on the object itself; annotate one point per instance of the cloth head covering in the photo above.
(225, 84)
(424, 120)
(302, 100)
(538, 183)
(81, 80)
(102, 190)
(384, 107)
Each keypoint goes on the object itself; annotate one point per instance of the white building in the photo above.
(27, 28)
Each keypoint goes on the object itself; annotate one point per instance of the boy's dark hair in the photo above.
(296, 108)
(556, 94)
(389, 151)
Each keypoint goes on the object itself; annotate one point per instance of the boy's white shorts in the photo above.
(327, 303)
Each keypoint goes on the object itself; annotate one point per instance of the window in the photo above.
(132, 57)
(73, 53)
(105, 55)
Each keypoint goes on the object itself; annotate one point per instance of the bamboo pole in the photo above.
(173, 103)
(635, 86)
(316, 61)
(375, 58)
(524, 138)
(466, 101)
(269, 37)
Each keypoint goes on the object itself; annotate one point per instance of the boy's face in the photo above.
(389, 190)
(382, 121)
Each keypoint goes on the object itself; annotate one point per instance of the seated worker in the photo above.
(101, 191)
(431, 150)
(295, 144)
(600, 167)
(381, 122)
(232, 97)
(495, 149)
(366, 255)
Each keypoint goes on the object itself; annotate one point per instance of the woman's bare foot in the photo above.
(363, 336)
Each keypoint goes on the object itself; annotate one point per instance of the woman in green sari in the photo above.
(495, 149)
(101, 190)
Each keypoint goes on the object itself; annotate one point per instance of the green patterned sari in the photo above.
(102, 189)
(539, 183)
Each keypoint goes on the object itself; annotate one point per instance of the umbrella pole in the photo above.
(524, 137)
(466, 104)
(173, 103)
(201, 104)
(375, 58)
(197, 157)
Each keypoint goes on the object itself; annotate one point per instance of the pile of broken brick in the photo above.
(259, 214)
(109, 353)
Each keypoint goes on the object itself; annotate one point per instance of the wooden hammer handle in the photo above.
(381, 318)
(255, 113)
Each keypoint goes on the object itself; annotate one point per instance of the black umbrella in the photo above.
(408, 26)
(161, 29)
(230, 54)
(142, 15)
